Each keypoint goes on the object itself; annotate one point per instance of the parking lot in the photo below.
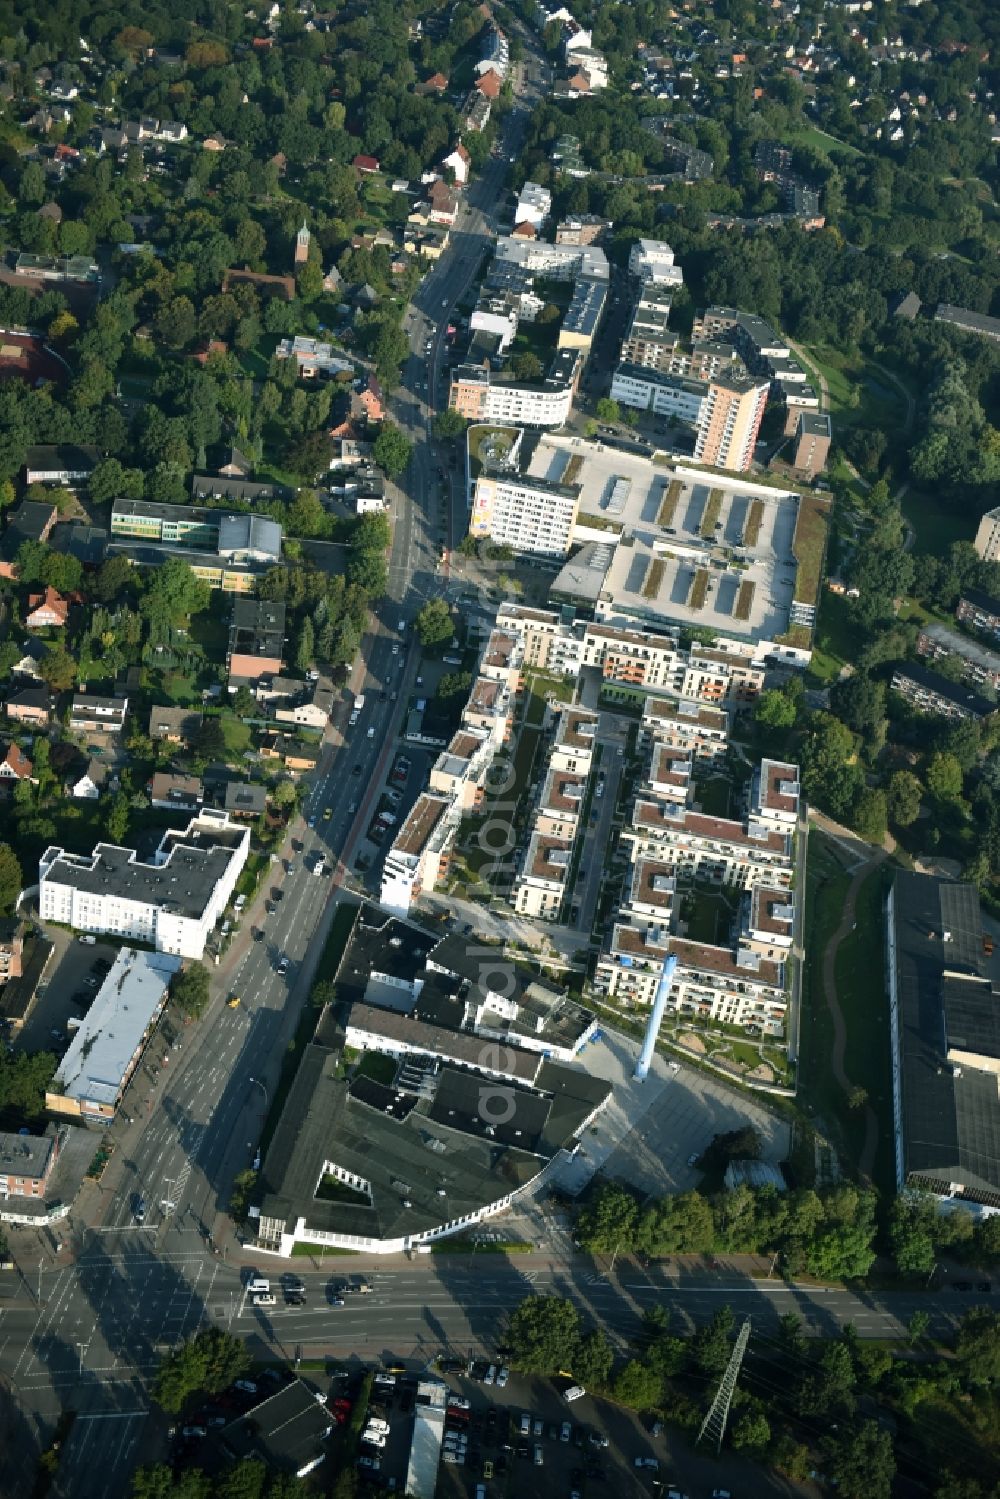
(588, 1447)
(72, 977)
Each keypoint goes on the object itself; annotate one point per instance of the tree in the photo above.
(977, 1347)
(903, 798)
(593, 1360)
(608, 1222)
(116, 824)
(944, 777)
(24, 1078)
(433, 624)
(174, 592)
(860, 1462)
(607, 410)
(189, 989)
(207, 1363)
(305, 648)
(711, 1344)
(752, 1434)
(392, 450)
(916, 1328)
(526, 365)
(775, 709)
(911, 1234)
(448, 425)
(677, 1225)
(543, 1334)
(638, 1385)
(210, 743)
(869, 815)
(841, 1252)
(176, 323)
(113, 580)
(11, 878)
(57, 668)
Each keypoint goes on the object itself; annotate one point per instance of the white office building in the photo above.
(172, 902)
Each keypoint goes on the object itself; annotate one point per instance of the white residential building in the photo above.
(171, 902)
(534, 204)
(418, 858)
(530, 515)
(652, 260)
(646, 389)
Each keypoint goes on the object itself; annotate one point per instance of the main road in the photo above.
(85, 1324)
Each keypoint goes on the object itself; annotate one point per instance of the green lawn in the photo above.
(858, 394)
(860, 978)
(936, 525)
(861, 992)
(838, 638)
(809, 135)
(333, 951)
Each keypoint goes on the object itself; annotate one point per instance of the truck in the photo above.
(359, 702)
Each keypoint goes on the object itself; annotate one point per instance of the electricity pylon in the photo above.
(715, 1422)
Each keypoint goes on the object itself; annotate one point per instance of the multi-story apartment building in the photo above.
(721, 850)
(540, 887)
(979, 611)
(730, 421)
(813, 435)
(669, 778)
(490, 709)
(503, 658)
(421, 852)
(650, 389)
(930, 692)
(690, 727)
(987, 542)
(459, 772)
(534, 204)
(558, 812)
(653, 260)
(774, 795)
(575, 737)
(767, 922)
(978, 663)
(530, 515)
(477, 396)
(26, 1163)
(549, 644)
(171, 902)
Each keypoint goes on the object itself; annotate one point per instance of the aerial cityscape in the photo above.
(500, 762)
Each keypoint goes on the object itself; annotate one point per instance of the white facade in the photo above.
(651, 260)
(172, 903)
(665, 395)
(528, 515)
(534, 205)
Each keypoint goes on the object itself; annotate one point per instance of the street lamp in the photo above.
(262, 1088)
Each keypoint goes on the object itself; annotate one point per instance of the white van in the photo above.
(258, 1287)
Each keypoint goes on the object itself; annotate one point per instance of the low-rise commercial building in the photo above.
(108, 1046)
(943, 1007)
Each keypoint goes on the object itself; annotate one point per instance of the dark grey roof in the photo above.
(958, 693)
(979, 599)
(950, 1114)
(286, 1431)
(383, 944)
(409, 1160)
(70, 457)
(88, 544)
(197, 862)
(209, 486)
(245, 797)
(971, 322)
(257, 628)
